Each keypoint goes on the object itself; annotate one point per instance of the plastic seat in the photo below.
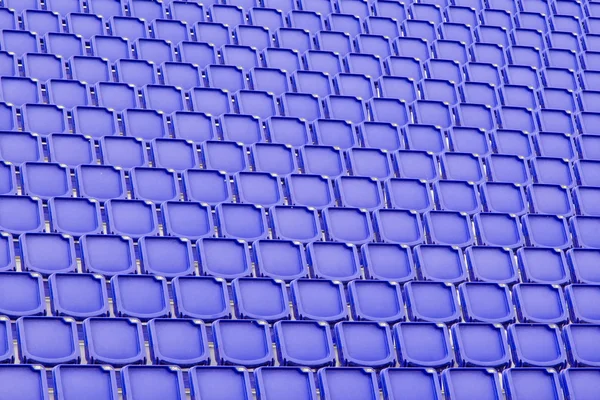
(399, 226)
(165, 346)
(136, 72)
(550, 199)
(116, 341)
(319, 300)
(345, 108)
(528, 297)
(462, 383)
(337, 42)
(217, 381)
(78, 295)
(580, 298)
(257, 37)
(199, 54)
(226, 77)
(503, 197)
(260, 298)
(579, 380)
(380, 267)
(210, 101)
(85, 25)
(481, 345)
(189, 220)
(536, 345)
(365, 64)
(98, 121)
(270, 18)
(270, 80)
(19, 42)
(283, 59)
(417, 382)
(116, 96)
(179, 262)
(376, 301)
(407, 67)
(242, 221)
(67, 93)
(244, 56)
(8, 19)
(19, 91)
(498, 230)
(274, 381)
(227, 156)
(21, 382)
(64, 45)
(152, 382)
(486, 302)
(24, 296)
(129, 28)
(508, 169)
(351, 24)
(188, 13)
(101, 182)
(334, 261)
(313, 82)
(294, 39)
(241, 128)
(584, 172)
(273, 158)
(48, 341)
(414, 47)
(242, 342)
(124, 152)
(153, 50)
(373, 44)
(45, 180)
(518, 96)
(89, 69)
(348, 383)
(307, 20)
(144, 124)
(107, 255)
(528, 37)
(401, 88)
(204, 298)
(165, 99)
(20, 147)
(256, 103)
(194, 126)
(171, 31)
(75, 216)
(582, 228)
(174, 154)
(147, 10)
(323, 61)
(584, 202)
(283, 260)
(458, 233)
(84, 380)
(8, 65)
(360, 192)
(140, 296)
(295, 223)
(444, 309)
(310, 190)
(133, 218)
(440, 263)
(365, 344)
(302, 105)
(456, 196)
(423, 344)
(552, 171)
(40, 22)
(205, 186)
(554, 272)
(258, 188)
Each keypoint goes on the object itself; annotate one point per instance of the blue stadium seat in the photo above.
(284, 59)
(295, 223)
(206, 186)
(529, 297)
(376, 301)
(310, 190)
(140, 296)
(486, 302)
(67, 93)
(107, 254)
(334, 261)
(460, 383)
(203, 298)
(582, 228)
(188, 220)
(160, 381)
(335, 132)
(365, 344)
(423, 344)
(258, 188)
(19, 91)
(480, 345)
(45, 180)
(319, 300)
(379, 266)
(508, 169)
(195, 126)
(301, 105)
(212, 263)
(422, 308)
(41, 22)
(75, 216)
(25, 295)
(271, 80)
(260, 298)
(188, 13)
(166, 346)
(555, 270)
(24, 381)
(115, 341)
(498, 230)
(360, 192)
(224, 156)
(407, 67)
(418, 382)
(133, 218)
(174, 154)
(84, 380)
(275, 381)
(144, 124)
(312, 82)
(21, 42)
(270, 18)
(579, 380)
(304, 343)
(154, 262)
(550, 199)
(399, 226)
(536, 345)
(348, 382)
(34, 245)
(583, 200)
(47, 340)
(491, 264)
(241, 342)
(217, 381)
(124, 152)
(78, 295)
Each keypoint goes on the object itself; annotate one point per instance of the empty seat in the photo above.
(440, 263)
(236, 265)
(19, 91)
(217, 381)
(90, 70)
(168, 349)
(242, 342)
(480, 345)
(152, 382)
(107, 254)
(376, 301)
(364, 344)
(48, 341)
(257, 37)
(136, 72)
(527, 298)
(486, 302)
(244, 56)
(180, 261)
(260, 298)
(101, 182)
(174, 154)
(320, 300)
(24, 382)
(143, 297)
(576, 380)
(78, 295)
(295, 223)
(154, 50)
(124, 152)
(84, 380)
(256, 103)
(536, 345)
(45, 180)
(491, 264)
(20, 42)
(423, 344)
(41, 22)
(75, 216)
(134, 218)
(115, 341)
(24, 296)
(348, 382)
(165, 99)
(462, 383)
(546, 231)
(555, 270)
